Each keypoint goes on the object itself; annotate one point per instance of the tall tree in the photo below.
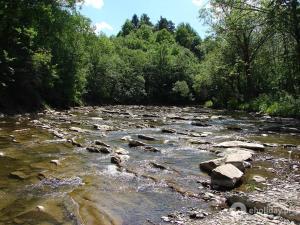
(145, 20)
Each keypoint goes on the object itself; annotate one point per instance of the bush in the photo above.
(283, 104)
(208, 104)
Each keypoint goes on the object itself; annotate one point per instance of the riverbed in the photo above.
(47, 175)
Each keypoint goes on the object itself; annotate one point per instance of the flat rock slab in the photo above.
(240, 144)
(238, 157)
(226, 177)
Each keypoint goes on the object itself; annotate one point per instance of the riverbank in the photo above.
(140, 165)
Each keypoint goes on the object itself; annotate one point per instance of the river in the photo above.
(47, 176)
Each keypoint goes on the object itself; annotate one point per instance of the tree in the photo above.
(145, 20)
(163, 23)
(187, 37)
(135, 21)
(181, 89)
(127, 28)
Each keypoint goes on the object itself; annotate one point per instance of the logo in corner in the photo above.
(238, 206)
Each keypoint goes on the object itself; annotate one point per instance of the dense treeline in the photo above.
(50, 55)
(253, 59)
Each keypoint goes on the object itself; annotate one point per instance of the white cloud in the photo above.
(199, 3)
(98, 4)
(103, 26)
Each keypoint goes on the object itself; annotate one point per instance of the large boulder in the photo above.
(240, 144)
(226, 177)
(210, 165)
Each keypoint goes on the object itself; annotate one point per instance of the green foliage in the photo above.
(50, 56)
(282, 104)
(251, 62)
(208, 104)
(182, 89)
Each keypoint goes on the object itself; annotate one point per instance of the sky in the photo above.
(108, 16)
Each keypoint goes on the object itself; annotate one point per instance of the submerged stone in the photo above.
(19, 175)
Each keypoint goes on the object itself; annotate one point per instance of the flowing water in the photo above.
(86, 188)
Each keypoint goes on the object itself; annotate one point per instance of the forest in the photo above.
(50, 56)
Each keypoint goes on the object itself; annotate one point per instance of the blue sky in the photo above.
(109, 15)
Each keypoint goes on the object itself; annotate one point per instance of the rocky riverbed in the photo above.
(139, 165)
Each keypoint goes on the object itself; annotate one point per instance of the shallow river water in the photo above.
(80, 187)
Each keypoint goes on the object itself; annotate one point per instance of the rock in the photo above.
(241, 165)
(74, 142)
(147, 138)
(233, 127)
(121, 151)
(259, 179)
(57, 134)
(166, 219)
(199, 124)
(158, 166)
(240, 144)
(151, 149)
(209, 166)
(97, 149)
(19, 175)
(168, 131)
(216, 117)
(271, 145)
(97, 142)
(208, 196)
(55, 161)
(197, 215)
(199, 142)
(126, 138)
(239, 159)
(150, 115)
(226, 177)
(289, 146)
(119, 159)
(134, 143)
(40, 208)
(103, 127)
(76, 129)
(240, 151)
